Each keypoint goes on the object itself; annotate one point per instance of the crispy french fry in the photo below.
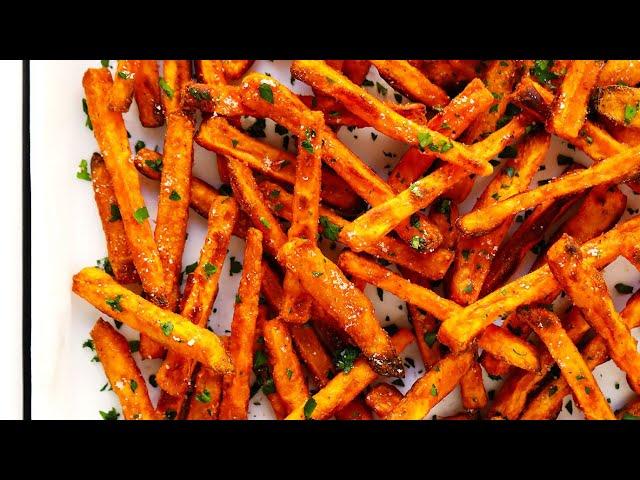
(474, 396)
(346, 386)
(312, 353)
(474, 256)
(354, 410)
(170, 329)
(619, 104)
(350, 307)
(356, 70)
(524, 355)
(573, 367)
(220, 99)
(235, 69)
(408, 80)
(628, 136)
(122, 90)
(174, 374)
(620, 71)
(320, 76)
(235, 385)
(630, 411)
(426, 328)
(111, 135)
(383, 398)
(461, 327)
(146, 91)
(207, 392)
(175, 74)
(210, 71)
(123, 373)
(453, 120)
(118, 251)
(287, 371)
(287, 110)
(304, 224)
(251, 201)
(585, 285)
(432, 266)
(612, 170)
(432, 387)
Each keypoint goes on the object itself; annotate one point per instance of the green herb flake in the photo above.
(141, 214)
(434, 390)
(265, 222)
(346, 357)
(166, 87)
(167, 328)
(309, 407)
(204, 396)
(430, 338)
(623, 288)
(330, 230)
(110, 415)
(265, 92)
(175, 196)
(630, 112)
(134, 385)
(234, 266)
(209, 269)
(114, 303)
(139, 145)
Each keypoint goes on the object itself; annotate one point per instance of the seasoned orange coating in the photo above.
(121, 93)
(146, 91)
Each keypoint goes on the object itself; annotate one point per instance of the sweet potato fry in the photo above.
(425, 327)
(235, 69)
(174, 374)
(175, 75)
(220, 99)
(118, 251)
(345, 386)
(573, 367)
(524, 356)
(287, 371)
(354, 410)
(356, 70)
(619, 104)
(210, 71)
(432, 387)
(474, 396)
(235, 385)
(335, 294)
(111, 135)
(612, 170)
(207, 392)
(458, 330)
(453, 120)
(123, 373)
(383, 398)
(620, 71)
(312, 353)
(430, 265)
(627, 136)
(630, 411)
(474, 256)
(585, 285)
(122, 90)
(304, 222)
(328, 81)
(569, 108)
(146, 91)
(290, 112)
(170, 329)
(408, 80)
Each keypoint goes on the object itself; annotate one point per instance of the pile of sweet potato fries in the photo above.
(301, 319)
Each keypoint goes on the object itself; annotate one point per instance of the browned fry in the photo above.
(474, 256)
(573, 367)
(235, 69)
(432, 387)
(123, 373)
(519, 353)
(460, 328)
(220, 99)
(356, 70)
(118, 251)
(619, 104)
(287, 371)
(175, 75)
(339, 297)
(174, 374)
(569, 108)
(235, 386)
(474, 396)
(628, 136)
(304, 222)
(453, 120)
(620, 71)
(111, 135)
(631, 411)
(511, 399)
(312, 353)
(384, 217)
(430, 265)
(499, 78)
(354, 410)
(210, 71)
(448, 74)
(548, 403)
(408, 80)
(207, 392)
(383, 398)
(426, 328)
(317, 74)
(346, 386)
(146, 90)
(170, 329)
(122, 90)
(251, 201)
(612, 170)
(586, 286)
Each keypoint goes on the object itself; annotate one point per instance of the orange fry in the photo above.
(235, 69)
(146, 91)
(122, 90)
(383, 398)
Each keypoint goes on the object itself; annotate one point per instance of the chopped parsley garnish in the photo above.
(564, 159)
(200, 95)
(542, 71)
(430, 338)
(167, 328)
(309, 407)
(234, 266)
(139, 145)
(330, 230)
(204, 396)
(265, 92)
(154, 164)
(468, 288)
(166, 87)
(85, 109)
(265, 222)
(134, 346)
(623, 288)
(306, 144)
(175, 196)
(141, 214)
(114, 303)
(83, 174)
(134, 385)
(110, 415)
(382, 90)
(105, 265)
(434, 390)
(209, 269)
(346, 357)
(630, 112)
(417, 243)
(88, 344)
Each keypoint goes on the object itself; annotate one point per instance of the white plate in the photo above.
(66, 236)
